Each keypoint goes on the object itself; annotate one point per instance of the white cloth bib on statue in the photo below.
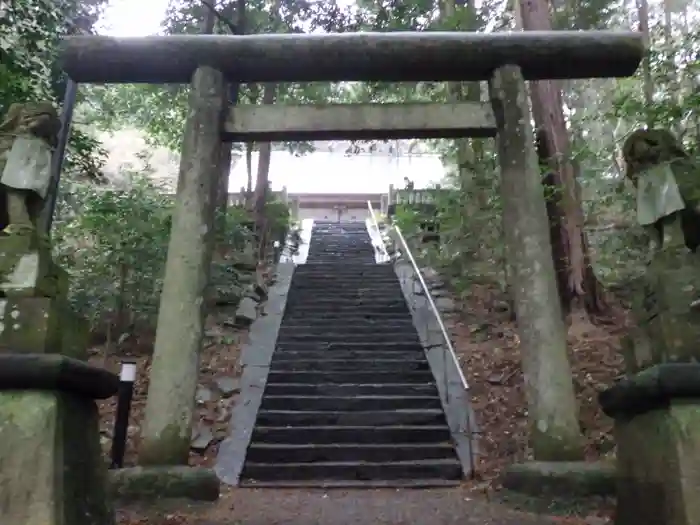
(28, 165)
(658, 195)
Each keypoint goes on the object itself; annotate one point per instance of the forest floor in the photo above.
(488, 347)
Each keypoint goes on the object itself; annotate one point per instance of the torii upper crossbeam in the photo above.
(391, 57)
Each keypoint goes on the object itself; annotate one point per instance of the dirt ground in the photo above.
(488, 349)
(219, 358)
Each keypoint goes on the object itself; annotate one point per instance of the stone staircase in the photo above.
(350, 400)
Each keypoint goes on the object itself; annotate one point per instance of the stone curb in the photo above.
(150, 483)
(565, 478)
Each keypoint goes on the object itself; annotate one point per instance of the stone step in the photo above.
(326, 258)
(364, 435)
(325, 295)
(354, 271)
(351, 314)
(363, 286)
(402, 323)
(350, 251)
(359, 252)
(344, 365)
(395, 321)
(327, 484)
(311, 310)
(357, 377)
(312, 296)
(320, 345)
(329, 284)
(281, 388)
(400, 308)
(265, 453)
(349, 403)
(342, 335)
(373, 418)
(346, 355)
(428, 468)
(355, 302)
(359, 278)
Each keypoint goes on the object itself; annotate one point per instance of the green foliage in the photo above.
(29, 33)
(114, 242)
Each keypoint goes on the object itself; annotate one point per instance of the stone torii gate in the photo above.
(505, 60)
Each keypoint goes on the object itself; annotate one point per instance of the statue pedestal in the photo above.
(27, 269)
(657, 430)
(51, 466)
(52, 471)
(42, 325)
(669, 328)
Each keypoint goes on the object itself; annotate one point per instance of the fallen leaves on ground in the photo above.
(488, 348)
(219, 358)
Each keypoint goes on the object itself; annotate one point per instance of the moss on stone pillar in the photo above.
(51, 467)
(657, 430)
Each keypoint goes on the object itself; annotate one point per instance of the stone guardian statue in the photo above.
(28, 136)
(667, 183)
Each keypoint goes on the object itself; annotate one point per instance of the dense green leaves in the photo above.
(29, 32)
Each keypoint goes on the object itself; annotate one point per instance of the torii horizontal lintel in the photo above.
(390, 57)
(276, 123)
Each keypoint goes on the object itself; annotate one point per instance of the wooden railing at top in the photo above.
(421, 196)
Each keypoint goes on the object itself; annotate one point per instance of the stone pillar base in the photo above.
(657, 430)
(51, 466)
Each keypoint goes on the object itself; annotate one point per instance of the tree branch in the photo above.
(228, 23)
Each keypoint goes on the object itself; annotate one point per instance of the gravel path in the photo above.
(380, 507)
(357, 507)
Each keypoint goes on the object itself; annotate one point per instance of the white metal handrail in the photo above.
(375, 224)
(445, 335)
(433, 307)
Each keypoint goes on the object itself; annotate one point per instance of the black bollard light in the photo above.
(127, 377)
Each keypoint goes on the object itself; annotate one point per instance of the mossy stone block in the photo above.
(27, 270)
(51, 468)
(658, 465)
(41, 325)
(560, 478)
(664, 313)
(153, 483)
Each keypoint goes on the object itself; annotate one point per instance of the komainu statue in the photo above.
(28, 135)
(667, 183)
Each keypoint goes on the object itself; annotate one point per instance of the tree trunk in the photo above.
(222, 190)
(249, 173)
(262, 182)
(552, 410)
(571, 255)
(167, 428)
(648, 84)
(239, 10)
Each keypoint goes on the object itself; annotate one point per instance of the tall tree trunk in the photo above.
(262, 183)
(648, 85)
(167, 428)
(571, 254)
(249, 173)
(222, 190)
(552, 411)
